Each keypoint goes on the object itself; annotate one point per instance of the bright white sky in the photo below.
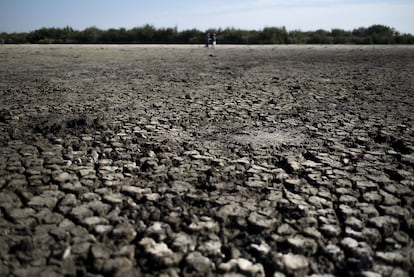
(29, 15)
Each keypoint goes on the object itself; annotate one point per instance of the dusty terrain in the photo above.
(183, 161)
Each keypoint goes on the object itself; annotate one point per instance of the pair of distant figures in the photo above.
(211, 40)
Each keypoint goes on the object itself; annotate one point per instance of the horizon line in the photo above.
(206, 30)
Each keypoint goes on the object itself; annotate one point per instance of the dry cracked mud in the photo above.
(183, 161)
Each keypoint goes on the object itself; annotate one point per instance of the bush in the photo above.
(375, 34)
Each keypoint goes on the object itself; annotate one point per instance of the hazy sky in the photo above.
(29, 15)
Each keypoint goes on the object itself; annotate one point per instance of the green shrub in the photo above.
(375, 34)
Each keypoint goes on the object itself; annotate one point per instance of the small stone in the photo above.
(99, 208)
(180, 187)
(389, 199)
(158, 230)
(387, 224)
(296, 265)
(127, 251)
(247, 266)
(152, 197)
(293, 184)
(366, 185)
(354, 223)
(159, 252)
(285, 230)
(331, 230)
(94, 220)
(335, 253)
(368, 211)
(398, 272)
(243, 265)
(87, 171)
(372, 197)
(349, 243)
(392, 258)
(113, 199)
(19, 214)
(81, 249)
(90, 196)
(183, 243)
(118, 267)
(104, 162)
(256, 184)
(69, 200)
(61, 233)
(313, 233)
(80, 213)
(103, 229)
(319, 202)
(349, 232)
(263, 248)
(99, 251)
(9, 200)
(66, 224)
(125, 232)
(370, 274)
(135, 192)
(261, 221)
(371, 236)
(244, 161)
(348, 200)
(74, 187)
(395, 211)
(347, 211)
(63, 177)
(408, 159)
(292, 165)
(46, 216)
(43, 201)
(211, 248)
(402, 237)
(361, 255)
(198, 263)
(230, 211)
(207, 225)
(303, 245)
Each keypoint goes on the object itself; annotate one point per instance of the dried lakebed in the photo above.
(180, 161)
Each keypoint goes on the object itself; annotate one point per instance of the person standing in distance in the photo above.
(214, 40)
(207, 40)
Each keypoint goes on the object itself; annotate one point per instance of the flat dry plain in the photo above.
(184, 161)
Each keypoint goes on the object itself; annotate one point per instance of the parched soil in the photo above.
(184, 161)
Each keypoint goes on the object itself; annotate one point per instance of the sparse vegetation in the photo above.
(375, 34)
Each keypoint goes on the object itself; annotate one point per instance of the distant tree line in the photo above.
(375, 34)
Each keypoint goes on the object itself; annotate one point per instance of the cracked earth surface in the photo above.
(183, 161)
